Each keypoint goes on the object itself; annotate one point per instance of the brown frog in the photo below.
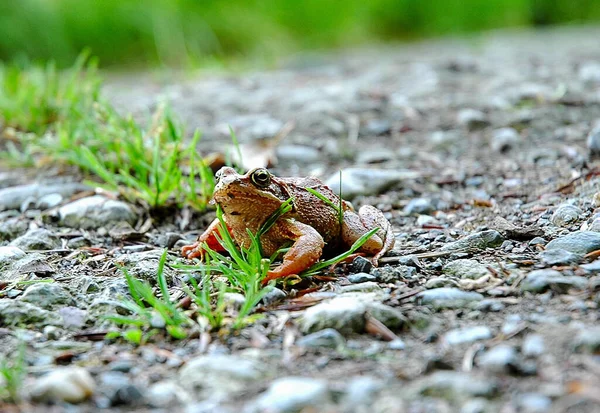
(249, 200)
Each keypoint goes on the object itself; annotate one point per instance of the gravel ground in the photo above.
(482, 155)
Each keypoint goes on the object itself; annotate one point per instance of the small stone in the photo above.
(448, 297)
(588, 340)
(361, 265)
(218, 375)
(167, 394)
(389, 274)
(49, 201)
(559, 256)
(94, 212)
(389, 316)
(504, 139)
(593, 141)
(472, 119)
(293, 394)
(37, 239)
(360, 391)
(361, 277)
(423, 220)
(365, 181)
(274, 295)
(465, 268)
(396, 344)
(595, 225)
(234, 300)
(9, 254)
(68, 384)
(325, 338)
(117, 387)
(419, 206)
(533, 345)
(578, 242)
(345, 314)
(440, 282)
(19, 313)
(13, 198)
(47, 295)
(566, 215)
(593, 267)
(478, 240)
(12, 228)
(368, 286)
(589, 72)
(499, 359)
(490, 305)
(452, 385)
(539, 281)
(538, 241)
(533, 403)
(467, 335)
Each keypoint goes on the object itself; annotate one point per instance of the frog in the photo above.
(312, 225)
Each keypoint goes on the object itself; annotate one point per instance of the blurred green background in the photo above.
(190, 33)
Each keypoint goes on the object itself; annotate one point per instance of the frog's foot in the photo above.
(306, 250)
(208, 238)
(357, 224)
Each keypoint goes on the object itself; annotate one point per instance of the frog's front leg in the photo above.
(209, 236)
(306, 250)
(355, 225)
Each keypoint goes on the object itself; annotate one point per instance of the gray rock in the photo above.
(591, 268)
(467, 335)
(37, 239)
(539, 281)
(363, 181)
(360, 277)
(389, 274)
(11, 228)
(578, 242)
(538, 241)
(325, 338)
(504, 139)
(360, 391)
(476, 406)
(396, 344)
(73, 317)
(500, 359)
(589, 72)
(440, 282)
(293, 394)
(595, 225)
(465, 268)
(587, 340)
(419, 206)
(368, 286)
(144, 265)
(94, 212)
(593, 139)
(117, 387)
(20, 313)
(389, 316)
(9, 254)
(533, 345)
(490, 305)
(274, 295)
(478, 240)
(448, 297)
(49, 201)
(559, 256)
(65, 384)
(361, 265)
(167, 394)
(566, 215)
(47, 295)
(298, 154)
(472, 119)
(13, 198)
(533, 403)
(452, 385)
(345, 314)
(219, 376)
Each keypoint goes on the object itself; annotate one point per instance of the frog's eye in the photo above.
(261, 178)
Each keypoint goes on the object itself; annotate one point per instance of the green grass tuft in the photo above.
(12, 375)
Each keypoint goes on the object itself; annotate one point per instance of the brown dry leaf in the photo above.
(260, 153)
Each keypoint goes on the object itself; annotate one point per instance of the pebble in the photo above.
(539, 281)
(418, 206)
(167, 394)
(19, 313)
(467, 335)
(558, 256)
(117, 387)
(360, 391)
(465, 268)
(472, 119)
(587, 340)
(14, 197)
(533, 345)
(533, 403)
(293, 394)
(325, 338)
(538, 241)
(365, 181)
(566, 215)
(67, 384)
(578, 242)
(219, 375)
(448, 297)
(593, 139)
(49, 201)
(9, 254)
(345, 314)
(589, 72)
(396, 344)
(490, 305)
(453, 385)
(47, 295)
(361, 277)
(11, 228)
(499, 359)
(37, 239)
(479, 240)
(368, 286)
(361, 265)
(389, 274)
(275, 294)
(94, 212)
(504, 139)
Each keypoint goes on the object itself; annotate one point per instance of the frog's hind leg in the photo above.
(306, 250)
(355, 225)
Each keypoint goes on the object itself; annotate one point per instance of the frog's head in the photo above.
(257, 191)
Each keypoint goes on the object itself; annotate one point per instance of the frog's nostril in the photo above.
(230, 195)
